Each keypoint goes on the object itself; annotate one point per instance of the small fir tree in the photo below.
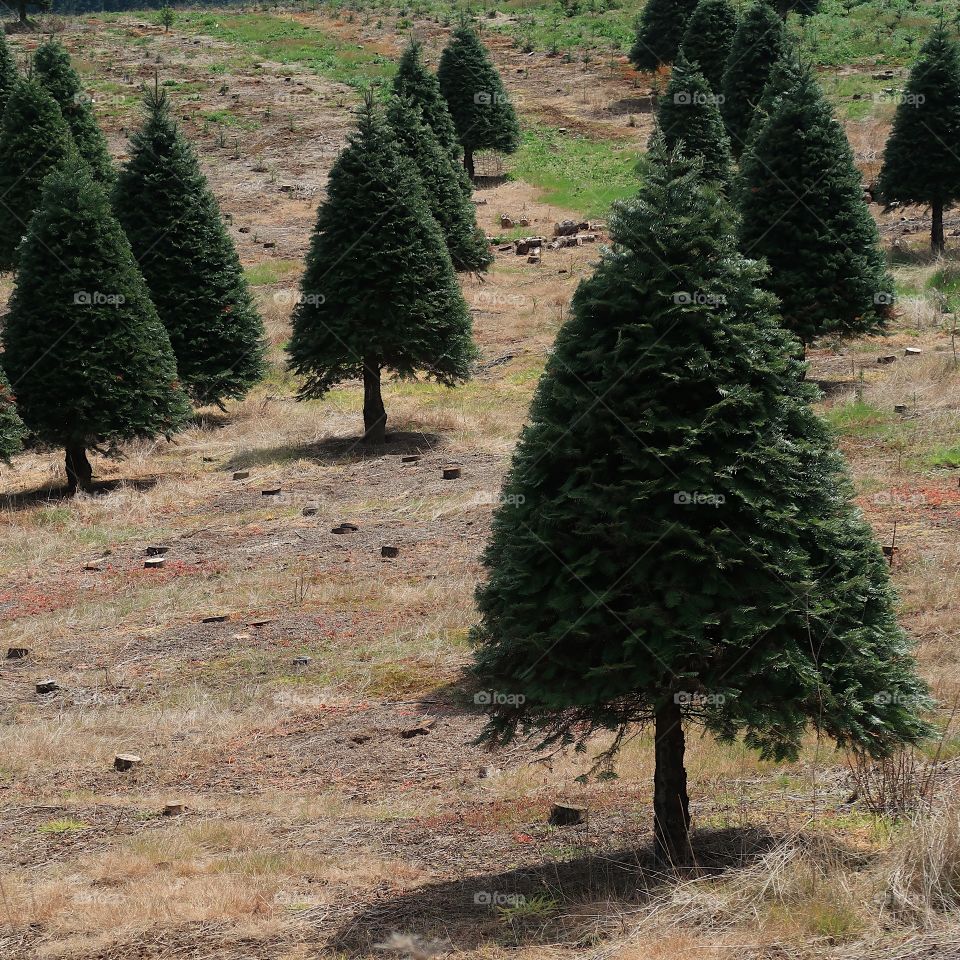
(167, 17)
(802, 210)
(415, 82)
(8, 72)
(12, 430)
(394, 303)
(446, 187)
(707, 39)
(760, 41)
(52, 68)
(688, 117)
(660, 31)
(676, 541)
(191, 266)
(481, 110)
(82, 341)
(921, 163)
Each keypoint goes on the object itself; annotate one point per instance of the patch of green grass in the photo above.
(225, 118)
(947, 456)
(271, 271)
(858, 419)
(62, 825)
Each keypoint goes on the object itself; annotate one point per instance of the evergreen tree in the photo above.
(8, 72)
(676, 541)
(171, 216)
(447, 187)
(802, 210)
(12, 431)
(52, 67)
(481, 110)
(415, 82)
(760, 41)
(379, 289)
(34, 138)
(921, 163)
(659, 32)
(82, 340)
(707, 39)
(784, 75)
(688, 116)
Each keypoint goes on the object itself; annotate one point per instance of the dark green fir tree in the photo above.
(802, 210)
(921, 163)
(34, 138)
(52, 68)
(394, 302)
(188, 259)
(12, 430)
(707, 39)
(446, 184)
(481, 110)
(688, 117)
(82, 341)
(784, 75)
(415, 82)
(676, 542)
(660, 30)
(760, 41)
(8, 72)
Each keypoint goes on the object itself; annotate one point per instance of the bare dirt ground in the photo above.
(303, 698)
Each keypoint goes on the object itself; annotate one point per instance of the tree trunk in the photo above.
(671, 806)
(937, 243)
(79, 471)
(374, 414)
(468, 162)
(22, 7)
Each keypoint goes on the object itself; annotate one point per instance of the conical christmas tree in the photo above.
(676, 541)
(8, 72)
(802, 210)
(481, 110)
(12, 430)
(52, 68)
(446, 187)
(760, 41)
(688, 116)
(394, 302)
(34, 138)
(415, 82)
(921, 163)
(82, 341)
(660, 32)
(784, 75)
(189, 261)
(708, 37)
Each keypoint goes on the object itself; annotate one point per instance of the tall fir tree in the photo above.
(379, 290)
(446, 184)
(34, 138)
(12, 430)
(708, 37)
(52, 68)
(479, 104)
(688, 115)
(82, 341)
(191, 266)
(921, 163)
(802, 210)
(660, 31)
(415, 82)
(784, 75)
(676, 541)
(760, 41)
(8, 72)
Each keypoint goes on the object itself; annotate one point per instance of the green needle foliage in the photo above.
(12, 430)
(52, 68)
(171, 216)
(660, 32)
(689, 118)
(415, 82)
(802, 210)
(446, 184)
(34, 138)
(921, 163)
(760, 41)
(676, 540)
(481, 110)
(707, 39)
(8, 72)
(784, 75)
(82, 341)
(379, 290)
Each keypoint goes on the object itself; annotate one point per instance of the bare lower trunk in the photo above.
(374, 414)
(79, 471)
(468, 162)
(671, 806)
(937, 242)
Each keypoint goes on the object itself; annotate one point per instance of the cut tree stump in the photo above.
(47, 686)
(272, 491)
(412, 458)
(302, 661)
(310, 510)
(890, 358)
(389, 551)
(17, 653)
(241, 474)
(451, 473)
(126, 761)
(561, 816)
(174, 809)
(419, 731)
(157, 551)
(153, 563)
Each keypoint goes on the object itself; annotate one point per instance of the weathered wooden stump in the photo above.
(451, 473)
(272, 491)
(241, 474)
(47, 686)
(153, 563)
(389, 551)
(126, 761)
(174, 809)
(563, 816)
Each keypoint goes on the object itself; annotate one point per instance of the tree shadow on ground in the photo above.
(489, 181)
(337, 450)
(55, 493)
(833, 388)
